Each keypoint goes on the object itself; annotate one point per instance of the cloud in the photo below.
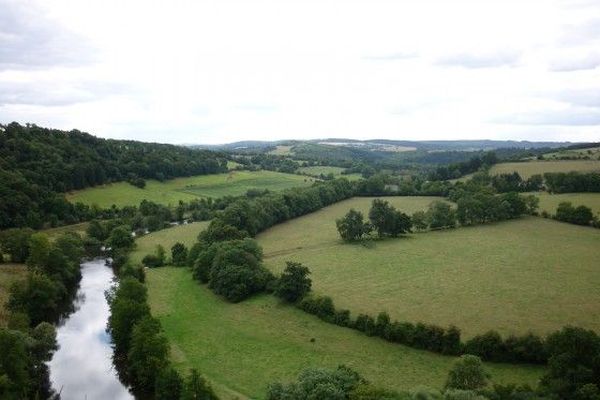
(581, 97)
(391, 56)
(568, 64)
(29, 39)
(570, 117)
(480, 60)
(583, 33)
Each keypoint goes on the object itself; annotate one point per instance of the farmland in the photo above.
(9, 273)
(243, 347)
(326, 170)
(529, 168)
(234, 183)
(515, 276)
(186, 234)
(549, 202)
(592, 153)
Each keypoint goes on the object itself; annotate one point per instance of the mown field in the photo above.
(241, 348)
(9, 273)
(549, 202)
(186, 234)
(326, 170)
(515, 276)
(529, 168)
(234, 183)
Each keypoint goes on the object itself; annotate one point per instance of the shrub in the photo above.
(467, 373)
(294, 283)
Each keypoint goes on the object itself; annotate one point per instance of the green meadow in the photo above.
(549, 202)
(243, 347)
(317, 170)
(185, 234)
(514, 276)
(234, 183)
(529, 168)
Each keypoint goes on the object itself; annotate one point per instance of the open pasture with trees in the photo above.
(186, 234)
(549, 202)
(234, 183)
(243, 347)
(514, 276)
(529, 168)
(319, 170)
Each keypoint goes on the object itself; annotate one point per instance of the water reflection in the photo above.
(82, 367)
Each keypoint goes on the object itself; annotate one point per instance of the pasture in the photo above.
(243, 347)
(9, 273)
(592, 153)
(282, 150)
(326, 170)
(234, 183)
(185, 234)
(515, 276)
(549, 202)
(529, 168)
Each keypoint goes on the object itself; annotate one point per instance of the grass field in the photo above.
(592, 153)
(53, 233)
(326, 170)
(282, 150)
(186, 234)
(514, 276)
(243, 347)
(549, 202)
(234, 183)
(529, 168)
(9, 273)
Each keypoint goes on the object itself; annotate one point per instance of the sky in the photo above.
(222, 71)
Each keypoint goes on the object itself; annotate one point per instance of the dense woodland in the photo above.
(38, 164)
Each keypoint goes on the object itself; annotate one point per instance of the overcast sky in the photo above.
(221, 71)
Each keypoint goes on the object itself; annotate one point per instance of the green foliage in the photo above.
(294, 282)
(580, 215)
(196, 388)
(15, 242)
(317, 383)
(120, 238)
(147, 355)
(352, 227)
(39, 250)
(179, 254)
(38, 297)
(419, 221)
(169, 385)
(387, 221)
(574, 361)
(467, 373)
(441, 215)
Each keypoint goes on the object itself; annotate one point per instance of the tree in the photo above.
(14, 365)
(441, 215)
(15, 242)
(96, 230)
(419, 220)
(237, 282)
(148, 354)
(467, 373)
(169, 385)
(294, 283)
(196, 388)
(352, 227)
(38, 297)
(386, 220)
(120, 238)
(39, 251)
(179, 254)
(574, 361)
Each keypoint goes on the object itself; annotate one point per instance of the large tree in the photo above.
(352, 226)
(294, 282)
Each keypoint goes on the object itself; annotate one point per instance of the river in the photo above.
(82, 367)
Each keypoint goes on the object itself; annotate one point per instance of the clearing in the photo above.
(514, 276)
(234, 183)
(243, 347)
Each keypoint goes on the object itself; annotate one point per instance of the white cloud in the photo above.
(187, 71)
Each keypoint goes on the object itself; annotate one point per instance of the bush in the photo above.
(238, 282)
(294, 282)
(179, 254)
(467, 373)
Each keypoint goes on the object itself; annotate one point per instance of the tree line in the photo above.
(29, 340)
(38, 164)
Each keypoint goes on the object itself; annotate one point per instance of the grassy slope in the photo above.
(336, 171)
(592, 152)
(185, 234)
(9, 273)
(170, 192)
(243, 347)
(550, 202)
(512, 276)
(526, 169)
